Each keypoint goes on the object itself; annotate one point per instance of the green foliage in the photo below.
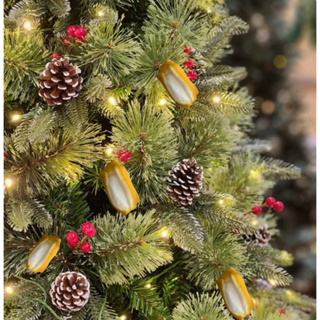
(98, 88)
(145, 299)
(128, 247)
(60, 157)
(68, 204)
(35, 127)
(21, 212)
(184, 228)
(150, 138)
(208, 141)
(221, 34)
(220, 251)
(196, 307)
(110, 49)
(177, 19)
(156, 49)
(24, 58)
(280, 169)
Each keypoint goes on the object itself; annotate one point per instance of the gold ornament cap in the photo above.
(235, 294)
(118, 185)
(43, 252)
(177, 84)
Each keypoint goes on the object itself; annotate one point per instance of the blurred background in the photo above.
(280, 55)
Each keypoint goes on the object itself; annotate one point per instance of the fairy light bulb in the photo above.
(27, 25)
(123, 317)
(148, 285)
(9, 290)
(221, 201)
(8, 182)
(273, 282)
(109, 151)
(162, 102)
(112, 100)
(254, 222)
(100, 13)
(165, 234)
(16, 117)
(216, 99)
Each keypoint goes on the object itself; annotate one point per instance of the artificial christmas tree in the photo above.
(161, 260)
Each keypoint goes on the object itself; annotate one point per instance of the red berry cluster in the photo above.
(88, 230)
(191, 64)
(271, 203)
(75, 33)
(124, 154)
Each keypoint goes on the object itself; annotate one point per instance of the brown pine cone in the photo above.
(261, 237)
(70, 291)
(185, 181)
(59, 82)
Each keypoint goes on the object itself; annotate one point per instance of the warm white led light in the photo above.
(8, 182)
(27, 25)
(112, 100)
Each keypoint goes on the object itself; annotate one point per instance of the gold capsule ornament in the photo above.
(235, 294)
(177, 84)
(119, 188)
(42, 253)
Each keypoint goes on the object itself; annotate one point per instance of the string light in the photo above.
(162, 102)
(216, 99)
(254, 222)
(123, 317)
(100, 14)
(165, 234)
(9, 290)
(16, 117)
(27, 25)
(148, 285)
(273, 282)
(254, 174)
(112, 100)
(109, 151)
(221, 201)
(8, 182)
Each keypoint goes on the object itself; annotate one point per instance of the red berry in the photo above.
(281, 311)
(72, 238)
(71, 30)
(56, 56)
(189, 63)
(124, 155)
(256, 210)
(86, 247)
(80, 32)
(88, 229)
(67, 41)
(4, 155)
(270, 201)
(278, 206)
(192, 75)
(187, 50)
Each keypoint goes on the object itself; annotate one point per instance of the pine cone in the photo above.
(185, 181)
(70, 291)
(262, 236)
(59, 82)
